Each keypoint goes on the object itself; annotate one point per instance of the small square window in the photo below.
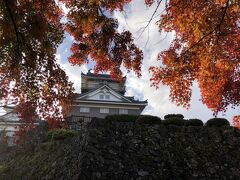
(107, 96)
(101, 96)
(104, 110)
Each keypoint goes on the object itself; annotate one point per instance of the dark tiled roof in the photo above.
(105, 76)
(133, 102)
(96, 75)
(129, 97)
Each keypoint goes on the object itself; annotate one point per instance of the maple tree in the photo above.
(27, 116)
(205, 49)
(30, 32)
(96, 37)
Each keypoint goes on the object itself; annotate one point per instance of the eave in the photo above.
(143, 103)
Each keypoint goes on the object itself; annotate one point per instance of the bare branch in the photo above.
(124, 14)
(161, 40)
(147, 38)
(152, 17)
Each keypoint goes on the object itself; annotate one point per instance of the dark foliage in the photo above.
(122, 118)
(180, 116)
(174, 121)
(217, 122)
(33, 136)
(148, 119)
(194, 122)
(59, 134)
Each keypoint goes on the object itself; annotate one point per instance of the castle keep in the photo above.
(102, 96)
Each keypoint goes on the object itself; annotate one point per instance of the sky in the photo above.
(134, 18)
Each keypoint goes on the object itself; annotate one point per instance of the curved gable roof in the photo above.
(122, 98)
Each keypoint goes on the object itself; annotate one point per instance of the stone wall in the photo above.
(117, 150)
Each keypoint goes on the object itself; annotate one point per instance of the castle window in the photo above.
(84, 109)
(123, 111)
(101, 96)
(107, 96)
(104, 96)
(104, 110)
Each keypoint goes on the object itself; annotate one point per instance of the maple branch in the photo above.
(161, 40)
(224, 13)
(104, 17)
(109, 28)
(126, 21)
(152, 17)
(222, 19)
(201, 39)
(17, 33)
(217, 27)
(142, 22)
(15, 27)
(101, 11)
